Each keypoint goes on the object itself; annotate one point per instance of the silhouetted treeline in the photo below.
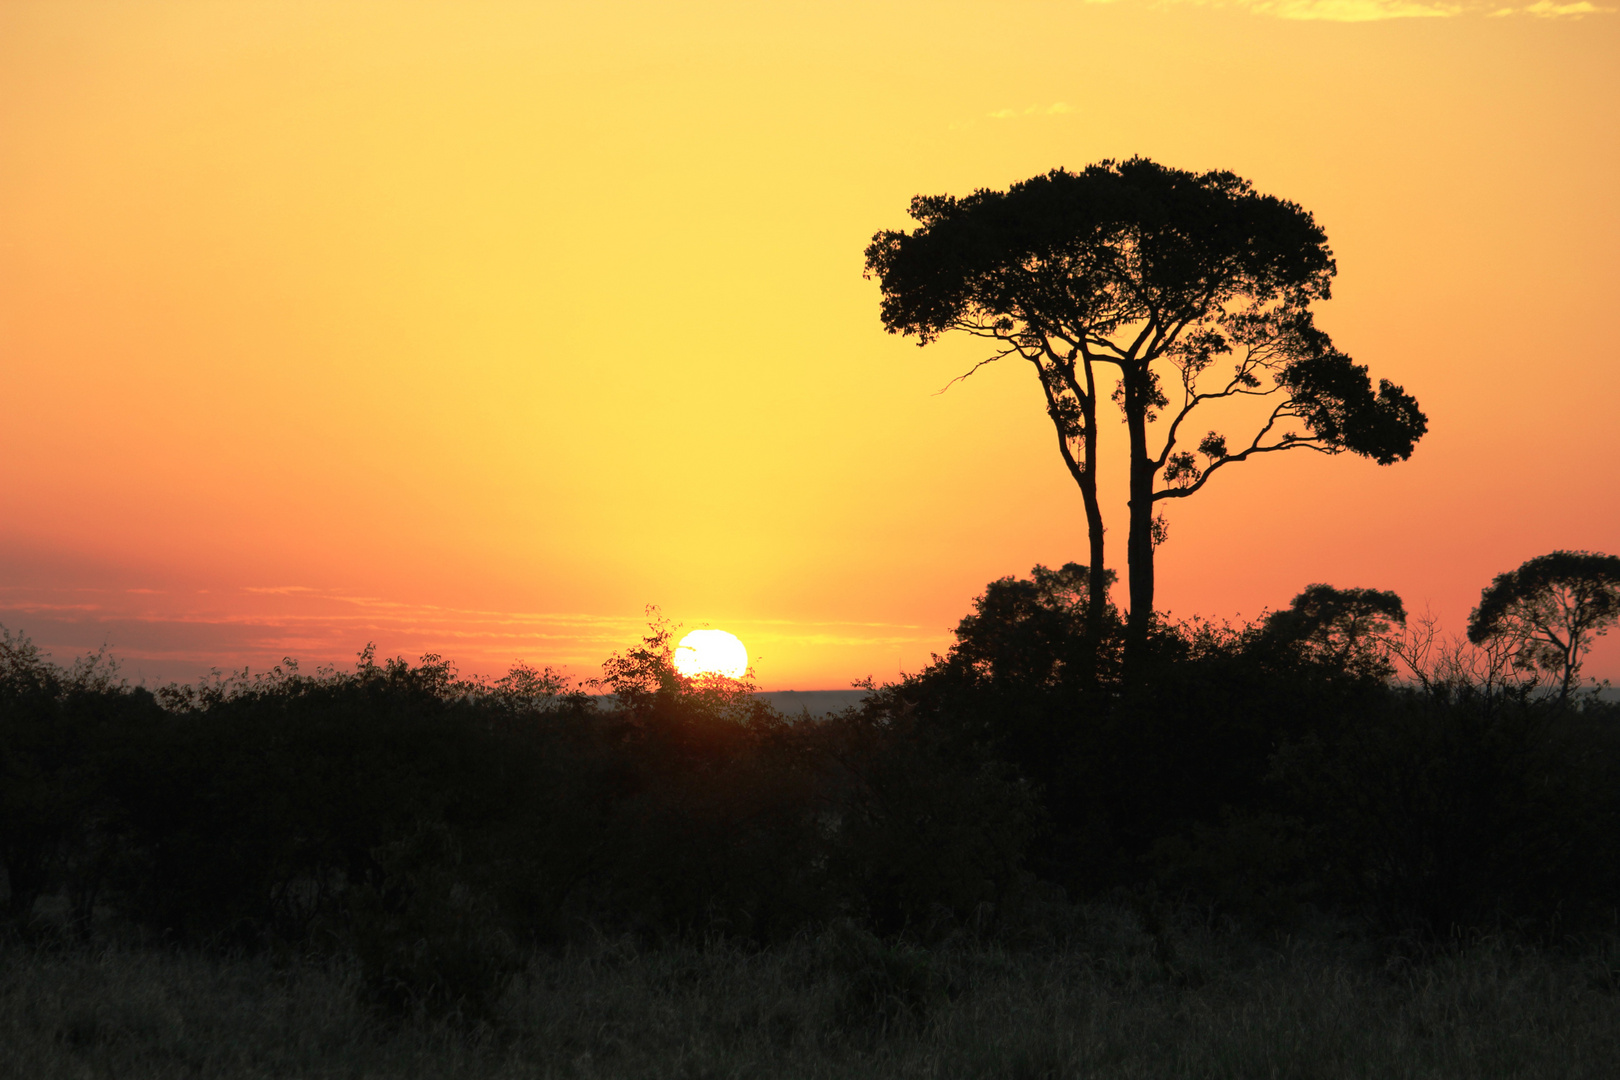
(1263, 767)
(436, 827)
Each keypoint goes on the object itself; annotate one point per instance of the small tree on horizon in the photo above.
(1192, 286)
(1548, 611)
(1347, 628)
(1021, 630)
(643, 680)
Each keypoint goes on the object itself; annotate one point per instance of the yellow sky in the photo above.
(477, 327)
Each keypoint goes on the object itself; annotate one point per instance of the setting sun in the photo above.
(711, 652)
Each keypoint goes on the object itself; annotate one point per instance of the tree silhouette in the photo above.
(1548, 611)
(1192, 286)
(1342, 627)
(1021, 631)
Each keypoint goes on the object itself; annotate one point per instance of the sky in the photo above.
(475, 329)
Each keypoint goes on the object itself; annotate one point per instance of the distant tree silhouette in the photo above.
(1170, 277)
(643, 681)
(1023, 631)
(1548, 611)
(1342, 627)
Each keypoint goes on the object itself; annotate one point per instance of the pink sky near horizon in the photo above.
(475, 329)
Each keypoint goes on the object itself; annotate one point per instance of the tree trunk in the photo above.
(1139, 543)
(1097, 580)
(1571, 664)
(1084, 472)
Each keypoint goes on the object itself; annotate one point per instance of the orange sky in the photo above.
(476, 327)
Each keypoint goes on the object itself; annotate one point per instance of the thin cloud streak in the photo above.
(1356, 11)
(1351, 10)
(1057, 108)
(1546, 9)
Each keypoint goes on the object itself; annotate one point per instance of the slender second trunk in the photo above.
(1139, 543)
(1097, 570)
(1571, 668)
(1055, 382)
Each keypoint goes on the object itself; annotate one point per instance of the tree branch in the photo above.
(1065, 368)
(989, 360)
(1254, 447)
(1234, 388)
(1075, 469)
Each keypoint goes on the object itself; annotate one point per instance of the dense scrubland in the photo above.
(1325, 844)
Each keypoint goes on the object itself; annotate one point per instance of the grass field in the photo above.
(1109, 1001)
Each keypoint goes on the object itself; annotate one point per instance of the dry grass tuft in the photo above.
(1113, 1002)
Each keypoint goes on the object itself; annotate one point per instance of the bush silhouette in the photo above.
(436, 828)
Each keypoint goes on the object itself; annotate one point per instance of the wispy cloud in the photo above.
(1382, 10)
(1352, 10)
(757, 639)
(1057, 108)
(1546, 9)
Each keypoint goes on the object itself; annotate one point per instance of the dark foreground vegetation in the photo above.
(1260, 854)
(1109, 1002)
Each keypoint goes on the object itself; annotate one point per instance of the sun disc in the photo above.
(711, 652)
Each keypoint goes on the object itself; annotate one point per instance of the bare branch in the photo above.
(1064, 366)
(1076, 470)
(1235, 387)
(1289, 442)
(990, 360)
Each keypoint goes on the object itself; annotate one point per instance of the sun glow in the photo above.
(711, 652)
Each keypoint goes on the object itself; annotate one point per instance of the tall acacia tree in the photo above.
(1191, 287)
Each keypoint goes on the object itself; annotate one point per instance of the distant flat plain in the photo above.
(792, 702)
(814, 702)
